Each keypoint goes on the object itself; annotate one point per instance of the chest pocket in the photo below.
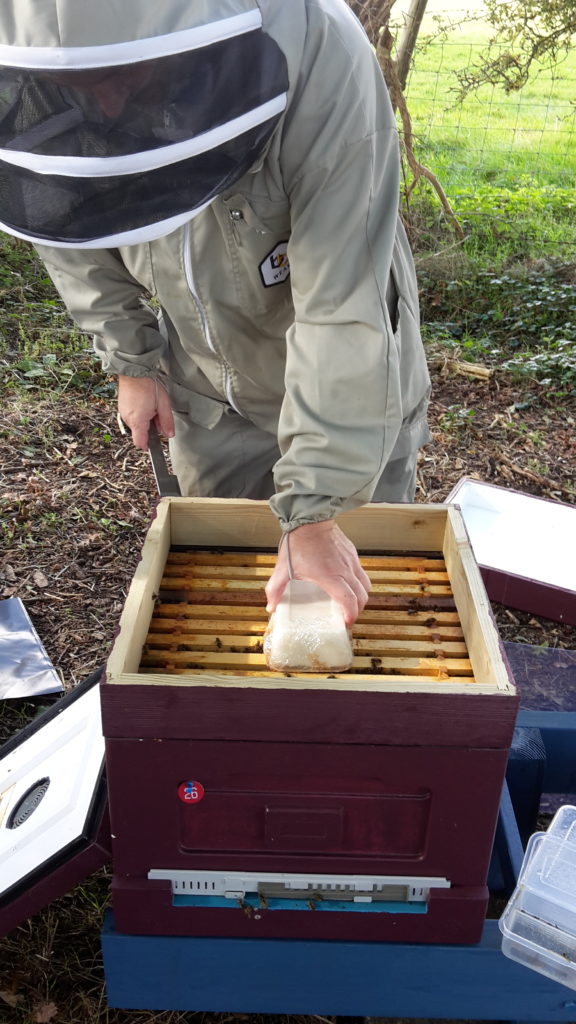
(257, 232)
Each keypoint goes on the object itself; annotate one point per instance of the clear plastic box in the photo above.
(539, 922)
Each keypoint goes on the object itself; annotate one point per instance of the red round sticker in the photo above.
(190, 792)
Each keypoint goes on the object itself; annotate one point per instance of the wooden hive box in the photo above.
(240, 796)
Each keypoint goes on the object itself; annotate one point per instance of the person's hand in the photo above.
(320, 552)
(140, 400)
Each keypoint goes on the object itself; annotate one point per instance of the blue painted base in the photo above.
(328, 978)
(363, 979)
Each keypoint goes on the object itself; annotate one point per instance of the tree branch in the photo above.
(389, 68)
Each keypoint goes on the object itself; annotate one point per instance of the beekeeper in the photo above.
(213, 187)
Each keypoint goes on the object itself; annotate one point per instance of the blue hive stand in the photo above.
(365, 979)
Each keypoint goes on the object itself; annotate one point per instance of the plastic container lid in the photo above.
(539, 923)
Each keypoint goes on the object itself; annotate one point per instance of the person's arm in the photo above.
(107, 303)
(343, 407)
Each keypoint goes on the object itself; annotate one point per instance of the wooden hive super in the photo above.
(242, 798)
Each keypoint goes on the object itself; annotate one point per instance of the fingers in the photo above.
(164, 417)
(363, 578)
(276, 586)
(320, 552)
(140, 400)
(277, 583)
(349, 594)
(139, 429)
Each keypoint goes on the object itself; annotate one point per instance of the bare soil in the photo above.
(76, 501)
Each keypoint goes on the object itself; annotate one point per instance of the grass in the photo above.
(491, 137)
(31, 310)
(507, 161)
(41, 348)
(504, 295)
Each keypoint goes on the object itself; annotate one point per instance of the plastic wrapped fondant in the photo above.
(307, 632)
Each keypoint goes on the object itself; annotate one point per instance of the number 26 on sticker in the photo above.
(190, 792)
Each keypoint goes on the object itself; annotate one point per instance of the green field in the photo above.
(507, 161)
(492, 137)
(504, 293)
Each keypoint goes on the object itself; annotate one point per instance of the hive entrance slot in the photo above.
(210, 617)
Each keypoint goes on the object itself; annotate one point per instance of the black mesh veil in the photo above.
(74, 210)
(93, 153)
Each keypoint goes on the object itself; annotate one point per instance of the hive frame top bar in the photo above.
(214, 524)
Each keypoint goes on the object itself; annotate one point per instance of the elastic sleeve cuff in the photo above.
(288, 525)
(299, 509)
(140, 371)
(118, 368)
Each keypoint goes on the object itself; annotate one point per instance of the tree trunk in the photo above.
(408, 39)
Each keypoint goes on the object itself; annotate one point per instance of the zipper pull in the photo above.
(236, 216)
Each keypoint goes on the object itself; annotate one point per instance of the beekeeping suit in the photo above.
(237, 162)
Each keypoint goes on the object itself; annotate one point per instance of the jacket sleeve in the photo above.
(343, 410)
(108, 303)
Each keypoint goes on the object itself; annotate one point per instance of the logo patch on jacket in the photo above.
(275, 268)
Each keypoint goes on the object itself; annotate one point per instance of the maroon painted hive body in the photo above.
(356, 806)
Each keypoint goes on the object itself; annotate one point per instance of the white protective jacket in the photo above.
(272, 243)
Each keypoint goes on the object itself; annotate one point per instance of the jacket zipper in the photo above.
(189, 272)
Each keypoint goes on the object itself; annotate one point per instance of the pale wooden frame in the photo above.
(212, 522)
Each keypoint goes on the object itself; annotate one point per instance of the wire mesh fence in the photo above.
(490, 136)
(492, 119)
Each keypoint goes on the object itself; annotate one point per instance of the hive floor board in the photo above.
(210, 616)
(394, 980)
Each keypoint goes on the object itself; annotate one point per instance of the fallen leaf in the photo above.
(11, 998)
(39, 578)
(9, 573)
(44, 1013)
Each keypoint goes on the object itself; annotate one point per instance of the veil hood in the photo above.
(119, 122)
